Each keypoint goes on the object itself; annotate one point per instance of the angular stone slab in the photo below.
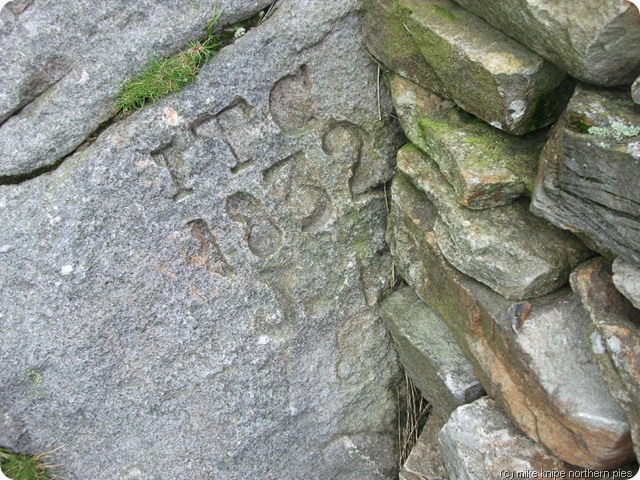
(589, 170)
(635, 90)
(626, 278)
(64, 62)
(543, 377)
(389, 41)
(486, 72)
(195, 295)
(596, 41)
(507, 248)
(479, 441)
(485, 166)
(614, 337)
(429, 353)
(425, 461)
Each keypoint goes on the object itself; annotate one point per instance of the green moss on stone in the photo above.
(444, 13)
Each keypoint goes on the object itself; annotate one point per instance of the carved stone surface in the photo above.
(194, 295)
(64, 62)
(531, 357)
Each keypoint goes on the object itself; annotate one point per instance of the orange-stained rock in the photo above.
(543, 377)
(614, 336)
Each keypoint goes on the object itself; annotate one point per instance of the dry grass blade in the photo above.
(411, 420)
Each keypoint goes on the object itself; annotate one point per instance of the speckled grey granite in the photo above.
(193, 296)
(63, 62)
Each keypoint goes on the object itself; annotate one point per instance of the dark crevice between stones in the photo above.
(23, 177)
(227, 37)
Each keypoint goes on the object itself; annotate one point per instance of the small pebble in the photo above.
(66, 270)
(5, 248)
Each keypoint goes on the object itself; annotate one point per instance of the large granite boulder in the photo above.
(486, 166)
(194, 295)
(495, 448)
(64, 62)
(587, 182)
(614, 337)
(487, 73)
(594, 40)
(531, 356)
(429, 353)
(507, 248)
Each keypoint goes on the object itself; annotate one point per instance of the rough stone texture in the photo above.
(429, 353)
(194, 295)
(425, 461)
(486, 72)
(543, 377)
(390, 42)
(587, 181)
(507, 248)
(595, 41)
(626, 278)
(614, 337)
(479, 441)
(485, 166)
(63, 63)
(635, 90)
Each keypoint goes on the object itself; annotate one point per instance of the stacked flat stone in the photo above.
(493, 265)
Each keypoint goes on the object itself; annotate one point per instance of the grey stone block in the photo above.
(486, 72)
(479, 441)
(594, 40)
(587, 182)
(429, 353)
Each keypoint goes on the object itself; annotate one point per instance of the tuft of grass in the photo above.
(168, 75)
(171, 74)
(20, 466)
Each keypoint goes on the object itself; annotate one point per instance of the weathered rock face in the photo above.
(486, 72)
(429, 353)
(495, 448)
(64, 62)
(626, 278)
(391, 43)
(485, 166)
(531, 357)
(425, 461)
(193, 295)
(536, 258)
(595, 41)
(588, 171)
(614, 337)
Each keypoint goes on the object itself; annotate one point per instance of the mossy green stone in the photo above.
(486, 166)
(389, 41)
(486, 72)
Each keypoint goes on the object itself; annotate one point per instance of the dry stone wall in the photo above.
(517, 242)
